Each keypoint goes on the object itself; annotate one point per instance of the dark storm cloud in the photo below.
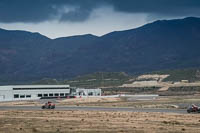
(80, 10)
(162, 7)
(42, 10)
(25, 11)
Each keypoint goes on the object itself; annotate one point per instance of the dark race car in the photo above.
(194, 109)
(48, 105)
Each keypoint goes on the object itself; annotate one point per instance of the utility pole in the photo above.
(102, 79)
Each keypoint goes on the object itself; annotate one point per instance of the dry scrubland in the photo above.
(57, 121)
(52, 121)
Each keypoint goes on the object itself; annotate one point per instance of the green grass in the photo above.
(191, 74)
(47, 81)
(185, 89)
(130, 90)
(99, 79)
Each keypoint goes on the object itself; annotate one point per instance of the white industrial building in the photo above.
(33, 92)
(86, 92)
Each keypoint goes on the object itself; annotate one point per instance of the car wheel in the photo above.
(188, 111)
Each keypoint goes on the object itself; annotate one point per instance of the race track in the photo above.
(180, 111)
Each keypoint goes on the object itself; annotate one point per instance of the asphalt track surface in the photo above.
(125, 109)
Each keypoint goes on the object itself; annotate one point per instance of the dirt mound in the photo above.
(156, 77)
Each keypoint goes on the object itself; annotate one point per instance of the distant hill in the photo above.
(163, 44)
(191, 74)
(94, 80)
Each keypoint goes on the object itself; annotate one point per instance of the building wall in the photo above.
(6, 93)
(88, 92)
(37, 94)
(33, 92)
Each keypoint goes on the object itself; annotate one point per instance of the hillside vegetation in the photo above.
(191, 74)
(115, 79)
(95, 80)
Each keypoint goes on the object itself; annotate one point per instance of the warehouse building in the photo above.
(33, 92)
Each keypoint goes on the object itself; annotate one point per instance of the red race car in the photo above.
(48, 105)
(193, 108)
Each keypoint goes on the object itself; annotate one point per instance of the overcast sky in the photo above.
(58, 18)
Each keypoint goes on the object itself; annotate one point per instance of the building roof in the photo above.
(34, 86)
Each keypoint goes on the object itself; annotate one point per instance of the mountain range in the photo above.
(163, 44)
